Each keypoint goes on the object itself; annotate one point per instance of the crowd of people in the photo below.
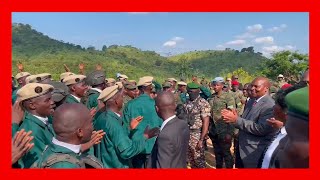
(91, 121)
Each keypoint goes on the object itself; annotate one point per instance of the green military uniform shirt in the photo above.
(42, 134)
(92, 101)
(56, 149)
(217, 103)
(70, 99)
(183, 97)
(14, 95)
(143, 106)
(116, 147)
(126, 99)
(238, 97)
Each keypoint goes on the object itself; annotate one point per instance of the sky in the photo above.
(175, 33)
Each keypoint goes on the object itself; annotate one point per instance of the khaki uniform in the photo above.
(201, 109)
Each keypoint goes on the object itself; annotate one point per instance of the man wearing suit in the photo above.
(170, 149)
(255, 134)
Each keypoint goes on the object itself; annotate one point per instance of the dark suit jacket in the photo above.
(254, 132)
(170, 149)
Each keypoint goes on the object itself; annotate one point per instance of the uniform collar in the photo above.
(42, 119)
(78, 99)
(74, 148)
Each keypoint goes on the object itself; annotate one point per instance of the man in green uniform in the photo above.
(77, 87)
(130, 90)
(173, 82)
(143, 106)
(110, 82)
(182, 91)
(116, 148)
(36, 100)
(97, 81)
(238, 95)
(167, 87)
(221, 137)
(21, 79)
(73, 126)
(59, 94)
(198, 110)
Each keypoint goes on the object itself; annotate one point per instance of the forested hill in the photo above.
(40, 53)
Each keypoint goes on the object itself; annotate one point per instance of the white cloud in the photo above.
(264, 40)
(173, 42)
(170, 44)
(177, 39)
(255, 28)
(220, 47)
(236, 42)
(278, 28)
(272, 49)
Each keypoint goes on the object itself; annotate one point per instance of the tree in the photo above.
(250, 49)
(183, 70)
(104, 48)
(287, 63)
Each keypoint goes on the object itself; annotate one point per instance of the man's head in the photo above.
(72, 123)
(77, 85)
(167, 86)
(122, 78)
(59, 93)
(182, 86)
(145, 84)
(280, 77)
(44, 78)
(245, 90)
(110, 82)
(112, 97)
(260, 87)
(217, 84)
(130, 90)
(64, 75)
(305, 77)
(96, 79)
(234, 78)
(21, 78)
(165, 105)
(173, 81)
(193, 90)
(235, 86)
(296, 150)
(37, 99)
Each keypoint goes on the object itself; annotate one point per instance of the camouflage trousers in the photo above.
(196, 158)
(222, 145)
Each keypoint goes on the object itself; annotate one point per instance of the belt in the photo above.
(195, 130)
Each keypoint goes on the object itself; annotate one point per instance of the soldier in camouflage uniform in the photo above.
(222, 136)
(238, 95)
(198, 110)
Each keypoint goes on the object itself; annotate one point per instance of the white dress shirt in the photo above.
(272, 147)
(72, 147)
(257, 100)
(78, 99)
(42, 119)
(166, 121)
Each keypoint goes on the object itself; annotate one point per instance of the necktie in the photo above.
(255, 102)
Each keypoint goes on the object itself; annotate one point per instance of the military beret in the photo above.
(59, 92)
(108, 93)
(65, 74)
(235, 83)
(122, 76)
(73, 79)
(33, 90)
(31, 79)
(193, 85)
(22, 74)
(42, 76)
(181, 83)
(119, 84)
(130, 86)
(298, 103)
(172, 79)
(166, 85)
(110, 80)
(218, 79)
(145, 81)
(96, 77)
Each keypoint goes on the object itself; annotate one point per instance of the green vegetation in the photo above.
(40, 53)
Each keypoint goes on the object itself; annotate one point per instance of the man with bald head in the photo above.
(73, 126)
(170, 149)
(255, 134)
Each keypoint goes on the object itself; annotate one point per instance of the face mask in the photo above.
(193, 95)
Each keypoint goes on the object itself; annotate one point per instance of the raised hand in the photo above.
(66, 68)
(20, 66)
(95, 139)
(21, 145)
(135, 122)
(98, 67)
(150, 133)
(17, 113)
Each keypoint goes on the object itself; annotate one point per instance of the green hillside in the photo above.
(40, 53)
